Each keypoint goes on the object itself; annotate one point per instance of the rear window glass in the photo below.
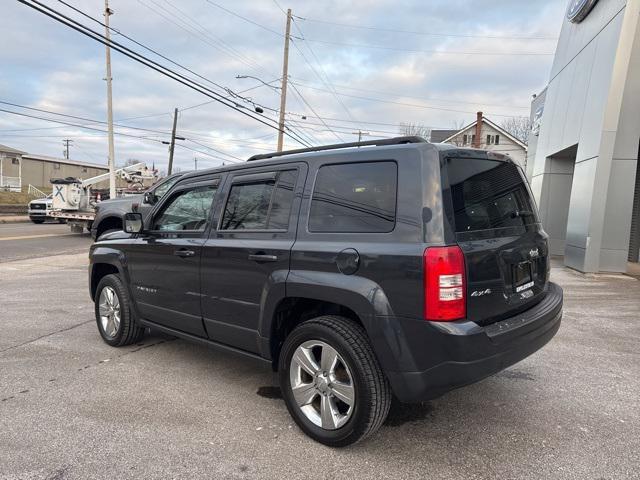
(488, 194)
(354, 197)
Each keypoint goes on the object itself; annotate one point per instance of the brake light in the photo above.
(444, 284)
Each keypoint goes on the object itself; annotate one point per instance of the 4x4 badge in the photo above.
(479, 293)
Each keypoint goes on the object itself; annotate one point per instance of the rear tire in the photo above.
(357, 397)
(115, 321)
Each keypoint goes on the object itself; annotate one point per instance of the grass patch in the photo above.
(16, 198)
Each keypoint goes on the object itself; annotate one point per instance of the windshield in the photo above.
(488, 194)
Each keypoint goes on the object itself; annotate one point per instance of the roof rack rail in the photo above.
(386, 141)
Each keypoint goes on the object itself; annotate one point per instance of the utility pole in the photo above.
(173, 140)
(360, 134)
(285, 74)
(112, 161)
(67, 143)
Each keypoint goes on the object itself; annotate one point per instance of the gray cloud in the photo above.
(46, 65)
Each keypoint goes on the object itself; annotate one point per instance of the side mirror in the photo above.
(149, 198)
(133, 222)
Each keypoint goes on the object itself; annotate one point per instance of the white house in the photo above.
(490, 137)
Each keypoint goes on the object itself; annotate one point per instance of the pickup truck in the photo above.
(108, 213)
(38, 210)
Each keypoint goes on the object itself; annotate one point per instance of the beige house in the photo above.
(490, 137)
(19, 169)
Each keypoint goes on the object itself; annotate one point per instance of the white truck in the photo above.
(74, 201)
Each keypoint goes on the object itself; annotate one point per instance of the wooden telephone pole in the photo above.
(285, 74)
(173, 141)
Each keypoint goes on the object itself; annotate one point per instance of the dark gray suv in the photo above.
(358, 271)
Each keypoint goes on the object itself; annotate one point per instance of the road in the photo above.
(72, 407)
(27, 240)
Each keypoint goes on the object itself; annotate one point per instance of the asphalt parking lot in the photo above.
(26, 240)
(73, 408)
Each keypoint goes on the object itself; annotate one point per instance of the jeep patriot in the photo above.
(357, 271)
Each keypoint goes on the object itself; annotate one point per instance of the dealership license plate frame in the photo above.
(522, 276)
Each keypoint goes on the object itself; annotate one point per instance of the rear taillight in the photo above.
(444, 284)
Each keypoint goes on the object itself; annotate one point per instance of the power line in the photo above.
(65, 20)
(314, 112)
(155, 52)
(202, 34)
(275, 32)
(430, 34)
(70, 124)
(437, 52)
(428, 107)
(327, 83)
(92, 122)
(381, 92)
(84, 119)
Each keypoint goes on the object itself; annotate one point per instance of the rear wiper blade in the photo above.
(522, 213)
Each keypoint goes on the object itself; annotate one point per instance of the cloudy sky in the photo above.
(354, 65)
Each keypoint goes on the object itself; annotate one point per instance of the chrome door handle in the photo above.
(183, 252)
(260, 257)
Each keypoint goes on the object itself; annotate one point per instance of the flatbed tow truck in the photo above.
(74, 201)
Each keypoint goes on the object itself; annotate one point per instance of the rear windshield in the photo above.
(488, 194)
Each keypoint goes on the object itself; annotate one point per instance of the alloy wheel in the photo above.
(322, 384)
(109, 309)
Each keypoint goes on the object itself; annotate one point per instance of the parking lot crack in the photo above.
(45, 336)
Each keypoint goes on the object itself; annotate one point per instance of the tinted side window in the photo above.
(187, 210)
(282, 200)
(355, 197)
(261, 205)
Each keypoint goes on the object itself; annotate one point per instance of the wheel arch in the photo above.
(98, 272)
(105, 261)
(112, 222)
(308, 294)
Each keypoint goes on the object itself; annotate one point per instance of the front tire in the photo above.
(331, 381)
(113, 313)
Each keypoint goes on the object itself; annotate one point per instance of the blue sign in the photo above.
(579, 9)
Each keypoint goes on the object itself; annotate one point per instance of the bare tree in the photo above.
(519, 127)
(414, 129)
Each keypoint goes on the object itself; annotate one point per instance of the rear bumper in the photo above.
(449, 355)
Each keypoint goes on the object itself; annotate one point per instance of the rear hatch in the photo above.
(490, 208)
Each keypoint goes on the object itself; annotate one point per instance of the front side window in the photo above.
(260, 205)
(355, 197)
(188, 210)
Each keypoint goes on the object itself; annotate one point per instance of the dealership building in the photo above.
(584, 147)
